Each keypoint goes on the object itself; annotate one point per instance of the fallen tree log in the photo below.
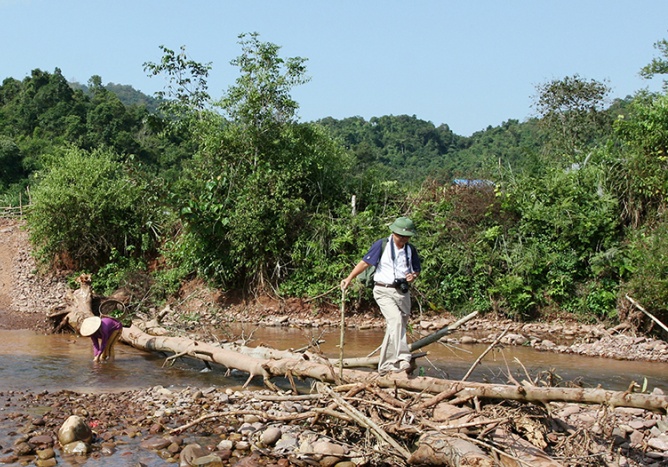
(199, 350)
(431, 338)
(468, 390)
(463, 391)
(80, 308)
(78, 304)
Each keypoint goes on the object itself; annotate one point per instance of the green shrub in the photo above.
(85, 206)
(117, 273)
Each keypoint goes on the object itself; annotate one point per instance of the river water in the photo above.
(35, 362)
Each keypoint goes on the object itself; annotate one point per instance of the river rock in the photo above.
(47, 453)
(251, 418)
(514, 339)
(636, 438)
(210, 460)
(242, 446)
(23, 449)
(225, 445)
(329, 449)
(154, 444)
(659, 443)
(155, 429)
(547, 344)
(270, 436)
(50, 462)
(468, 340)
(247, 428)
(107, 449)
(41, 440)
(190, 453)
(39, 421)
(329, 461)
(287, 443)
(74, 429)
(76, 448)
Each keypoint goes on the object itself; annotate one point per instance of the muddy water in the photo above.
(30, 361)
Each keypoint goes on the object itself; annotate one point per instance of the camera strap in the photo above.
(406, 253)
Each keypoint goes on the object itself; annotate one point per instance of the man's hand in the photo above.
(411, 276)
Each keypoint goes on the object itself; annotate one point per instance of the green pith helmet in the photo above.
(403, 226)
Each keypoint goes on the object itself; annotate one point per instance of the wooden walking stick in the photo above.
(343, 327)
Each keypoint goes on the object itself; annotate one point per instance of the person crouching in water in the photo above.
(104, 332)
(397, 265)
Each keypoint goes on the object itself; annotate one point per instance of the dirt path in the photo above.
(8, 248)
(26, 297)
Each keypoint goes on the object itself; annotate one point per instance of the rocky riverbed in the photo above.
(264, 428)
(247, 428)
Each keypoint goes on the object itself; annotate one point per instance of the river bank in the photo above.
(268, 428)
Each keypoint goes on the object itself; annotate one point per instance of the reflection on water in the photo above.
(30, 361)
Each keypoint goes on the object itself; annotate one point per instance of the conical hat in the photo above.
(90, 325)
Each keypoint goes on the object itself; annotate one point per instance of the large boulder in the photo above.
(74, 429)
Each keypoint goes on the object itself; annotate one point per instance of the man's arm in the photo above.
(357, 270)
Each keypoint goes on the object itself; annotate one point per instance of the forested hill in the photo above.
(127, 94)
(44, 110)
(405, 147)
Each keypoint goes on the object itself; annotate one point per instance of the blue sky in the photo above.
(468, 64)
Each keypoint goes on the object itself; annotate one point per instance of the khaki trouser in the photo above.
(396, 308)
(108, 352)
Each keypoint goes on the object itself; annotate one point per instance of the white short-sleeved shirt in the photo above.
(387, 270)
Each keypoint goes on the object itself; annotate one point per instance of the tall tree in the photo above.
(258, 174)
(187, 79)
(572, 116)
(658, 65)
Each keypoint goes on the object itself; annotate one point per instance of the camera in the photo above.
(401, 285)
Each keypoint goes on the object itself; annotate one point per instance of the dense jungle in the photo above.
(559, 215)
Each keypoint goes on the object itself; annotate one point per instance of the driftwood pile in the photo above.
(411, 420)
